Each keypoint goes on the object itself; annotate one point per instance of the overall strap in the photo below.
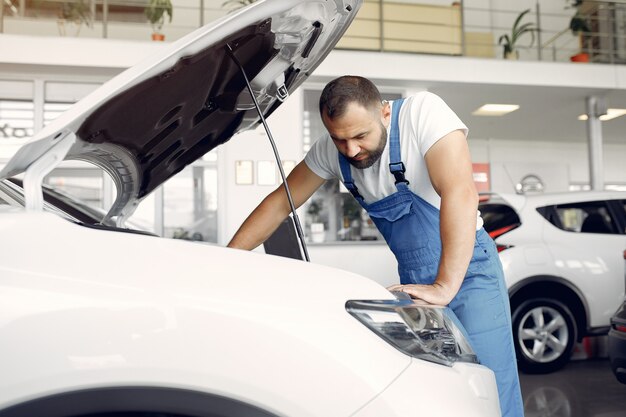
(396, 166)
(347, 178)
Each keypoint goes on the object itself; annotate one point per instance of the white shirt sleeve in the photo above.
(432, 119)
(319, 156)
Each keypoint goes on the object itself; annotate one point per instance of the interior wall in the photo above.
(557, 164)
(286, 129)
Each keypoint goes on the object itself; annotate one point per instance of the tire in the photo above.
(544, 332)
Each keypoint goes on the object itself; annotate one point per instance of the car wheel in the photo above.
(544, 332)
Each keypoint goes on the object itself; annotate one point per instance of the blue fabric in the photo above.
(394, 132)
(345, 171)
(410, 225)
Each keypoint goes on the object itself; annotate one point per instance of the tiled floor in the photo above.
(582, 389)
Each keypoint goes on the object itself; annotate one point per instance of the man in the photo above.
(408, 164)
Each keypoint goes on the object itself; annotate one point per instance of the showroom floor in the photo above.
(584, 388)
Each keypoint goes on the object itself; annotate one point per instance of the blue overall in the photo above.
(410, 225)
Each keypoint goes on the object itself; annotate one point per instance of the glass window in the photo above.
(497, 216)
(332, 214)
(67, 92)
(81, 180)
(585, 217)
(190, 204)
(144, 216)
(52, 110)
(17, 120)
(615, 187)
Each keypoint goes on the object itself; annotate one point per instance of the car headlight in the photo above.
(425, 332)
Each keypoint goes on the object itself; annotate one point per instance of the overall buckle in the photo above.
(398, 169)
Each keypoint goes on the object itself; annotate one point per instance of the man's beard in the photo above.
(374, 155)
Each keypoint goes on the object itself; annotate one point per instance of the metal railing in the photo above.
(118, 19)
(602, 41)
(458, 28)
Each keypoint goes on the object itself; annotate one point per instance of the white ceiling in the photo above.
(545, 113)
(548, 93)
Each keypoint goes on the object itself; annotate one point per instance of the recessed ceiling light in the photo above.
(495, 109)
(610, 114)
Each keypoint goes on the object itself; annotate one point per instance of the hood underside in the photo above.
(154, 119)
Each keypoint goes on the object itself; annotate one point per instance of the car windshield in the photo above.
(94, 214)
(70, 205)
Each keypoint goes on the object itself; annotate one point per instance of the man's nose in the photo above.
(352, 149)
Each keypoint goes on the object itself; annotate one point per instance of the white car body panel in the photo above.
(591, 269)
(593, 263)
(449, 398)
(154, 312)
(85, 309)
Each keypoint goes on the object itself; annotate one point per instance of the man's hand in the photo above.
(433, 294)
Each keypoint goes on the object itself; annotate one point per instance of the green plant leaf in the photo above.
(518, 30)
(519, 18)
(77, 11)
(157, 10)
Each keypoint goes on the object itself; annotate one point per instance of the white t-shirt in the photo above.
(424, 119)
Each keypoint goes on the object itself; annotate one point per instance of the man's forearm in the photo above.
(261, 223)
(458, 231)
(266, 218)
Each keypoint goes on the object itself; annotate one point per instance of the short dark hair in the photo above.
(345, 90)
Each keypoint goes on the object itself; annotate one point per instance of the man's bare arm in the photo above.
(268, 215)
(450, 169)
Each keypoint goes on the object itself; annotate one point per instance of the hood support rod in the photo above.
(276, 155)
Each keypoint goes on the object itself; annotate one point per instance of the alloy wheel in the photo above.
(542, 334)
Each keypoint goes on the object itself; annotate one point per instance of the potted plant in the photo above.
(72, 15)
(579, 26)
(317, 226)
(518, 30)
(233, 5)
(156, 11)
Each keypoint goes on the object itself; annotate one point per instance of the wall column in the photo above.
(596, 107)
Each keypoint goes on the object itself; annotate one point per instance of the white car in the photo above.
(98, 322)
(563, 261)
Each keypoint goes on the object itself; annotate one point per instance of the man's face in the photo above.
(360, 134)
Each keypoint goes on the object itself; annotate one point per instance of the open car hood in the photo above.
(152, 120)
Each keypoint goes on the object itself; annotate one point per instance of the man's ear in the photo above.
(385, 113)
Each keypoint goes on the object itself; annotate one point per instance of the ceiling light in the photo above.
(610, 114)
(495, 109)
